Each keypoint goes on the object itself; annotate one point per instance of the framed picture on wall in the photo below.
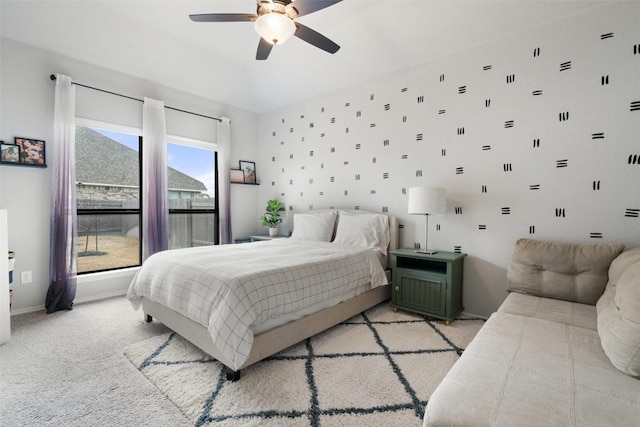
(249, 170)
(9, 153)
(237, 175)
(32, 152)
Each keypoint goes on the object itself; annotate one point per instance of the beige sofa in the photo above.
(563, 349)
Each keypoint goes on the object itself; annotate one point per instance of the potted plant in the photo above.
(271, 217)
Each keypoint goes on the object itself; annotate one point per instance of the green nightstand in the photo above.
(428, 284)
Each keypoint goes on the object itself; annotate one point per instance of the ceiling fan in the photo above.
(274, 22)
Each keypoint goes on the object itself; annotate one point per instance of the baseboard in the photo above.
(100, 297)
(26, 310)
(75, 301)
(466, 313)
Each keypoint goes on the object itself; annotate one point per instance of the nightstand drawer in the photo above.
(419, 291)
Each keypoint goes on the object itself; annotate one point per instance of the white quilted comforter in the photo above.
(229, 288)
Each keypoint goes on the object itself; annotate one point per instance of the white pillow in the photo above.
(317, 226)
(365, 230)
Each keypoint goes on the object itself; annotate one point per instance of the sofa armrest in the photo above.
(571, 272)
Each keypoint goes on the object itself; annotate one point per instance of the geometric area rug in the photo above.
(378, 368)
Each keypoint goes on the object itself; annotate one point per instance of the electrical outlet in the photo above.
(25, 277)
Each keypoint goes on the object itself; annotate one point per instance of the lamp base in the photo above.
(426, 251)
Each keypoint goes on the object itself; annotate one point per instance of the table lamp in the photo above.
(427, 201)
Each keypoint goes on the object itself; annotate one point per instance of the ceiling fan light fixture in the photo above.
(275, 28)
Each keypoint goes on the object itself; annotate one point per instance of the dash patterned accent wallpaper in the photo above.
(537, 135)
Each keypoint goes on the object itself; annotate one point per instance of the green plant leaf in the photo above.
(271, 216)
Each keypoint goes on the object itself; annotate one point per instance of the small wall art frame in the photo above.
(249, 170)
(32, 152)
(9, 153)
(236, 175)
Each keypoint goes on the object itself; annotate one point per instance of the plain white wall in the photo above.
(364, 146)
(27, 111)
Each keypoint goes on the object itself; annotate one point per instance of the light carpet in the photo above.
(378, 368)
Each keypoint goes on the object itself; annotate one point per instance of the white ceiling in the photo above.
(156, 40)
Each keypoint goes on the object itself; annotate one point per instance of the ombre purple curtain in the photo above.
(224, 187)
(155, 188)
(63, 223)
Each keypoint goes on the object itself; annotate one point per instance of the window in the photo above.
(192, 194)
(107, 199)
(108, 171)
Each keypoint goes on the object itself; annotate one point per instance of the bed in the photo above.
(242, 303)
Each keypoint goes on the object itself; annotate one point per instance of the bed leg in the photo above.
(232, 375)
(147, 318)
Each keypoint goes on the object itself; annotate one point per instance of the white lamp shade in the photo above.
(427, 200)
(275, 28)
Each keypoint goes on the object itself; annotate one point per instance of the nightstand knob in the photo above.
(397, 288)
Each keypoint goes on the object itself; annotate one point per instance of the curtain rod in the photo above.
(53, 78)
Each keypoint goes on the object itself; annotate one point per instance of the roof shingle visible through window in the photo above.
(92, 148)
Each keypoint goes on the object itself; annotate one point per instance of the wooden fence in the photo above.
(185, 230)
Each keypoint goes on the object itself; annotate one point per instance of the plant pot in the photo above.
(273, 231)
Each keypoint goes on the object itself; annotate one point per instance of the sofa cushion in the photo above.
(565, 312)
(621, 263)
(530, 372)
(571, 272)
(619, 315)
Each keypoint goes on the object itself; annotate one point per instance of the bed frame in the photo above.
(274, 340)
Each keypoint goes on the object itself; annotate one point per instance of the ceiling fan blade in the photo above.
(264, 49)
(223, 17)
(305, 7)
(315, 38)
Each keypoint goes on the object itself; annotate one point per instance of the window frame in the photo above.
(205, 145)
(111, 127)
(170, 139)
